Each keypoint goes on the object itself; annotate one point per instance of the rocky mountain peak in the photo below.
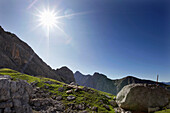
(16, 54)
(1, 29)
(66, 74)
(77, 72)
(98, 75)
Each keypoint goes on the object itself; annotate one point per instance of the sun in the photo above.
(48, 18)
(51, 20)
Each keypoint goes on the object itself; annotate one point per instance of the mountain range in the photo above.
(16, 54)
(101, 82)
(167, 83)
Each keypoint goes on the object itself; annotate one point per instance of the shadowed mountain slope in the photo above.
(101, 82)
(16, 54)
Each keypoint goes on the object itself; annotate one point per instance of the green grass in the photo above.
(92, 99)
(164, 111)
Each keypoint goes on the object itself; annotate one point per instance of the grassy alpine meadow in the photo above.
(92, 99)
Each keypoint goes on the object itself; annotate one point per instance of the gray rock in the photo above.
(108, 96)
(119, 110)
(144, 98)
(16, 95)
(95, 109)
(47, 105)
(128, 112)
(81, 106)
(114, 98)
(5, 76)
(49, 82)
(61, 89)
(69, 91)
(46, 87)
(107, 107)
(86, 89)
(5, 89)
(70, 98)
(83, 111)
(6, 104)
(76, 90)
(73, 83)
(59, 107)
(59, 98)
(7, 110)
(113, 103)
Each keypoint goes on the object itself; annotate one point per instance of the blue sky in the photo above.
(113, 37)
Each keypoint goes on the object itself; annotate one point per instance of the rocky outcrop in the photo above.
(143, 98)
(66, 73)
(14, 96)
(101, 82)
(16, 54)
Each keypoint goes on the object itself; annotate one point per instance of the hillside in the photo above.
(101, 82)
(50, 95)
(16, 54)
(86, 99)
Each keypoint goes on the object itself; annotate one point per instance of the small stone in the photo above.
(69, 86)
(107, 107)
(7, 110)
(108, 96)
(61, 89)
(85, 89)
(83, 111)
(53, 97)
(95, 109)
(70, 98)
(46, 87)
(81, 106)
(37, 88)
(101, 101)
(69, 91)
(5, 76)
(37, 104)
(73, 83)
(113, 103)
(59, 98)
(49, 82)
(76, 90)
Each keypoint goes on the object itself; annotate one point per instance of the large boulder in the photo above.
(15, 96)
(143, 97)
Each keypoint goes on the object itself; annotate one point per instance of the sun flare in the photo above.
(48, 18)
(51, 19)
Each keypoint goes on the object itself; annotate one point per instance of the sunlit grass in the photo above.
(81, 96)
(164, 111)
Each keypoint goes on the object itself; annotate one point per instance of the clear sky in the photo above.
(113, 37)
